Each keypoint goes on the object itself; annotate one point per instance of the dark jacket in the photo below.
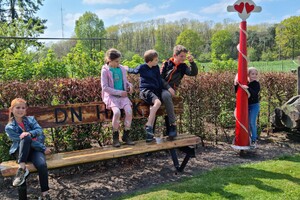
(149, 77)
(253, 89)
(173, 74)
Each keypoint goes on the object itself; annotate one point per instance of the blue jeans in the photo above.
(253, 111)
(26, 153)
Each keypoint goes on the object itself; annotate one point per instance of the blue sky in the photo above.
(117, 11)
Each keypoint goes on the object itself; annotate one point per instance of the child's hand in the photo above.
(48, 151)
(236, 80)
(130, 89)
(126, 68)
(123, 94)
(190, 57)
(24, 134)
(172, 91)
(243, 86)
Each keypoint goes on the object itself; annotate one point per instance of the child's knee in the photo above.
(157, 102)
(128, 112)
(117, 113)
(166, 94)
(27, 139)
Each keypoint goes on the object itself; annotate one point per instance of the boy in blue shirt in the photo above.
(150, 87)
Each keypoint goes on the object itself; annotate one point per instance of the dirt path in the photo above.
(110, 179)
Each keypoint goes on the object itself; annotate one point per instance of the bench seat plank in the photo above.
(9, 168)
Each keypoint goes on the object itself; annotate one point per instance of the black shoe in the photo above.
(126, 138)
(116, 142)
(20, 177)
(172, 132)
(149, 134)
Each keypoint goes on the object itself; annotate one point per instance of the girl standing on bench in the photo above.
(115, 88)
(28, 144)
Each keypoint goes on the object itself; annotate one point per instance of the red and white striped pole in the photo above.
(242, 139)
(241, 127)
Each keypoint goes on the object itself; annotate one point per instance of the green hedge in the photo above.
(209, 99)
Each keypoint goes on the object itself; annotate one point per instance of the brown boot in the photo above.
(116, 142)
(126, 138)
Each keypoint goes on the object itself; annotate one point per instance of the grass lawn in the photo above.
(268, 66)
(274, 179)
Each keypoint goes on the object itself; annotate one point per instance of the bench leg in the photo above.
(22, 190)
(190, 153)
(175, 158)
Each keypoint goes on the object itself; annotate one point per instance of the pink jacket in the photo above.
(107, 83)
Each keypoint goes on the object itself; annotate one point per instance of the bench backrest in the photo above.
(84, 113)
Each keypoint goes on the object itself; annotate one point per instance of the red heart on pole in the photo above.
(249, 8)
(239, 7)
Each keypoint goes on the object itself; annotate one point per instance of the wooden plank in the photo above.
(83, 113)
(9, 168)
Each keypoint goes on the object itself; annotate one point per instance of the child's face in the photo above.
(154, 62)
(180, 58)
(253, 75)
(115, 62)
(19, 110)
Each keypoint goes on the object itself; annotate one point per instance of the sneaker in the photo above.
(172, 132)
(253, 144)
(20, 177)
(149, 134)
(46, 197)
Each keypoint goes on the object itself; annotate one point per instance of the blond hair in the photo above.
(250, 69)
(12, 105)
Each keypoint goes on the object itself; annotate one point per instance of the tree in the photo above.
(90, 26)
(288, 37)
(81, 64)
(62, 48)
(191, 40)
(17, 65)
(22, 9)
(221, 44)
(50, 67)
(21, 29)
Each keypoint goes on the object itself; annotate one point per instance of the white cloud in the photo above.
(298, 12)
(285, 17)
(180, 15)
(140, 9)
(104, 1)
(110, 14)
(70, 18)
(217, 8)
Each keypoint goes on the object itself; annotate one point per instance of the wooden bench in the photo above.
(89, 113)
